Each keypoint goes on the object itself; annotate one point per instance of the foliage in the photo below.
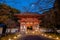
(5, 8)
(52, 17)
(7, 15)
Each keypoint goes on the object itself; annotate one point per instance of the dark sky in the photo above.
(38, 6)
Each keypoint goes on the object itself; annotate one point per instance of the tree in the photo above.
(52, 17)
(8, 11)
(49, 21)
(57, 13)
(7, 15)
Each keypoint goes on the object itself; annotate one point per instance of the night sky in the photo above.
(38, 6)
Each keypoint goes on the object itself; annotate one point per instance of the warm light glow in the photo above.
(27, 23)
(31, 23)
(21, 27)
(19, 35)
(23, 30)
(15, 37)
(9, 39)
(57, 38)
(24, 27)
(50, 36)
(35, 22)
(36, 30)
(22, 22)
(33, 32)
(45, 35)
(26, 32)
(42, 34)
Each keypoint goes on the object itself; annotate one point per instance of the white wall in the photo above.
(13, 30)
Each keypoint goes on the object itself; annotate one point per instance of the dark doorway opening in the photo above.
(29, 28)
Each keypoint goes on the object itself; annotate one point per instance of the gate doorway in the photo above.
(29, 28)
